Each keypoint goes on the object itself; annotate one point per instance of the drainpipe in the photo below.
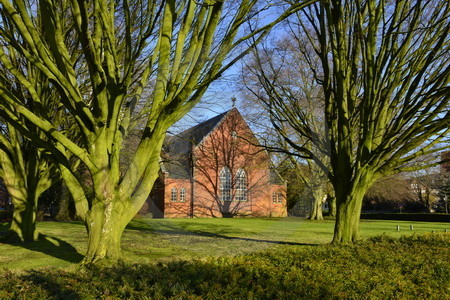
(191, 205)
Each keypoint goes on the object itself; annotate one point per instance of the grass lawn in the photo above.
(162, 240)
(267, 258)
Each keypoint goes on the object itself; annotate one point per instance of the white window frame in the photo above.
(174, 195)
(280, 197)
(241, 185)
(182, 195)
(274, 197)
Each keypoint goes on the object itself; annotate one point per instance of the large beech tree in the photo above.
(140, 60)
(384, 69)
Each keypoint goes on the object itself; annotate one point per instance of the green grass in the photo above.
(155, 240)
(268, 258)
(414, 267)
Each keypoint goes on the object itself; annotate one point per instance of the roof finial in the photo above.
(233, 101)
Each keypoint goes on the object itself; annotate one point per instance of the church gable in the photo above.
(231, 170)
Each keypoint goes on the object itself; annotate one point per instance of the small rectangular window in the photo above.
(174, 196)
(274, 197)
(182, 195)
(280, 197)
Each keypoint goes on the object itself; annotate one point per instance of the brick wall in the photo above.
(177, 207)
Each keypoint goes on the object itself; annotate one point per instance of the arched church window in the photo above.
(241, 185)
(225, 184)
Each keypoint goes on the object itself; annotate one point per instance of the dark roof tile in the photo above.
(177, 149)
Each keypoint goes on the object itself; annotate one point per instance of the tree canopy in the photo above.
(384, 70)
(116, 65)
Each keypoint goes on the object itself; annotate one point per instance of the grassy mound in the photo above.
(410, 267)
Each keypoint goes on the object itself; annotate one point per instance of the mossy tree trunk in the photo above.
(331, 199)
(25, 200)
(110, 205)
(346, 229)
(26, 175)
(23, 224)
(105, 225)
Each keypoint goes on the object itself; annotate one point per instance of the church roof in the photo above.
(275, 177)
(196, 134)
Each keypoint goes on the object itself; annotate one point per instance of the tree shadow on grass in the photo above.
(49, 245)
(176, 230)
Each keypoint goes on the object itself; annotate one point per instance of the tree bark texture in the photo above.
(332, 205)
(26, 176)
(65, 210)
(317, 211)
(349, 205)
(105, 225)
(23, 224)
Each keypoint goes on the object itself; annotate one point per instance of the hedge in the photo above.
(407, 217)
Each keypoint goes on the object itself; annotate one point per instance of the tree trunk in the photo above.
(64, 211)
(111, 203)
(105, 225)
(316, 213)
(26, 176)
(23, 225)
(428, 200)
(346, 229)
(331, 205)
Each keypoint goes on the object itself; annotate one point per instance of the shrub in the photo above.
(407, 217)
(382, 267)
(6, 213)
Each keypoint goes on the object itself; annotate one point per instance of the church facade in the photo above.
(216, 169)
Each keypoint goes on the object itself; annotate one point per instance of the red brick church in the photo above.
(216, 169)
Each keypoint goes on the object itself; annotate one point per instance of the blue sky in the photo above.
(218, 97)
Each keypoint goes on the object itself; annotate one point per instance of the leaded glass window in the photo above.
(182, 195)
(225, 184)
(241, 185)
(274, 197)
(280, 197)
(174, 195)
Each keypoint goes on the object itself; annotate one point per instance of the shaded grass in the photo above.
(60, 244)
(415, 267)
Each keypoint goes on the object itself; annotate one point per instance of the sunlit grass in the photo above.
(150, 240)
